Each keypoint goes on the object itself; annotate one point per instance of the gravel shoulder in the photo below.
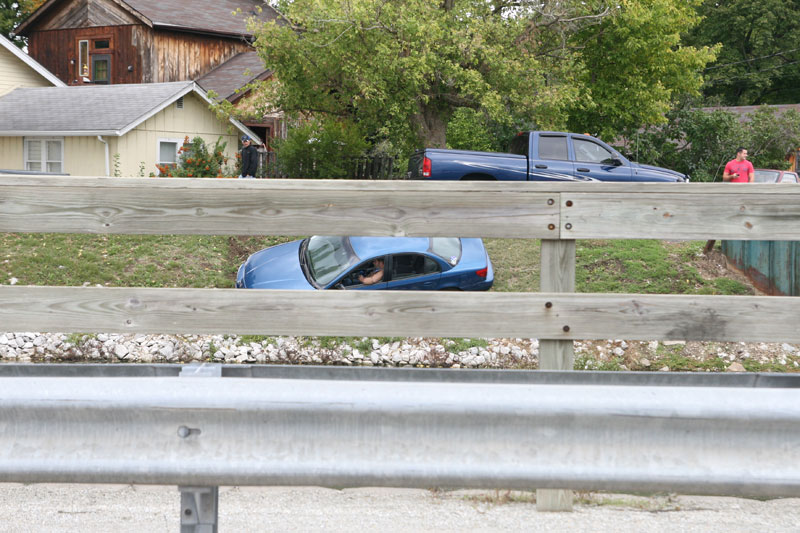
(52, 508)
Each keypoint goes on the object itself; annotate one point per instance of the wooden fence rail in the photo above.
(556, 213)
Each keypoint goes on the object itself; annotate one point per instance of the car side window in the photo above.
(364, 269)
(553, 147)
(412, 265)
(590, 152)
(789, 177)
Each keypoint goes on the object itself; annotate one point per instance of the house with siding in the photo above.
(18, 69)
(113, 42)
(105, 130)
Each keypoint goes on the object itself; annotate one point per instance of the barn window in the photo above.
(44, 154)
(101, 43)
(83, 60)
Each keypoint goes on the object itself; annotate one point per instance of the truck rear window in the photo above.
(519, 145)
(553, 147)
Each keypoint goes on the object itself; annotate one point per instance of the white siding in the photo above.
(138, 149)
(15, 73)
(11, 153)
(140, 146)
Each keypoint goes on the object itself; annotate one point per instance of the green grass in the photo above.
(125, 260)
(630, 266)
(611, 266)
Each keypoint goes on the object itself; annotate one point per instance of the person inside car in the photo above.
(377, 274)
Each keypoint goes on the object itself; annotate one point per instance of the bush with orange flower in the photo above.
(198, 160)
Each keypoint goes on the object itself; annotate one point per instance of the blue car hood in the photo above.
(277, 267)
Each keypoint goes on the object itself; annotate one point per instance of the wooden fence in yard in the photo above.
(556, 213)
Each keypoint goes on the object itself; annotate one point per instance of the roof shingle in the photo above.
(84, 108)
(215, 16)
(235, 73)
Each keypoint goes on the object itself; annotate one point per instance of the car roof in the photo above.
(366, 247)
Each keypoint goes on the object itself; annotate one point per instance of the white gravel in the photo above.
(25, 347)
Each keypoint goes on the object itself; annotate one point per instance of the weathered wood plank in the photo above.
(747, 214)
(557, 274)
(267, 207)
(354, 313)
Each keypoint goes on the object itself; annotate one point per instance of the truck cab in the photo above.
(584, 155)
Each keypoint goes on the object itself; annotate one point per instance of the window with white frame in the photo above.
(168, 152)
(44, 154)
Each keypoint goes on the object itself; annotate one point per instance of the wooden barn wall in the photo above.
(184, 56)
(55, 49)
(85, 14)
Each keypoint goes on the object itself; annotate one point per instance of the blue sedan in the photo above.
(402, 263)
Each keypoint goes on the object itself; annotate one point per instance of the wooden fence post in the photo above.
(557, 274)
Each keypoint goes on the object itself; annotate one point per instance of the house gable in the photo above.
(17, 69)
(66, 14)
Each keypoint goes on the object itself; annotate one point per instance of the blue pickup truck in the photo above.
(538, 156)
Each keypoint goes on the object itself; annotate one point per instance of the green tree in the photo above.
(320, 148)
(759, 61)
(636, 66)
(401, 68)
(12, 12)
(700, 142)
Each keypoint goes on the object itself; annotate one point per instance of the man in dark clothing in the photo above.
(249, 159)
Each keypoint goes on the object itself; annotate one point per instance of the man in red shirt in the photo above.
(739, 170)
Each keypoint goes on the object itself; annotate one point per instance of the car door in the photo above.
(413, 272)
(596, 161)
(551, 158)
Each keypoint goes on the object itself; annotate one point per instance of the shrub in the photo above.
(197, 160)
(320, 148)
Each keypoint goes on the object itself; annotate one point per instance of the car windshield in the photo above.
(328, 257)
(448, 248)
(765, 176)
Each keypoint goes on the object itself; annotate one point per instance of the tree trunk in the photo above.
(431, 122)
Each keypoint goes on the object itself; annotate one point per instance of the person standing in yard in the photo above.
(739, 169)
(249, 159)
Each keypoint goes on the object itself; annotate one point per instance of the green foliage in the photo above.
(320, 148)
(197, 160)
(469, 129)
(700, 142)
(759, 61)
(400, 69)
(12, 13)
(634, 66)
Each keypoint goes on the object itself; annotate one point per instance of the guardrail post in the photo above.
(199, 505)
(557, 274)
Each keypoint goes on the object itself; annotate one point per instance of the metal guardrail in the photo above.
(335, 431)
